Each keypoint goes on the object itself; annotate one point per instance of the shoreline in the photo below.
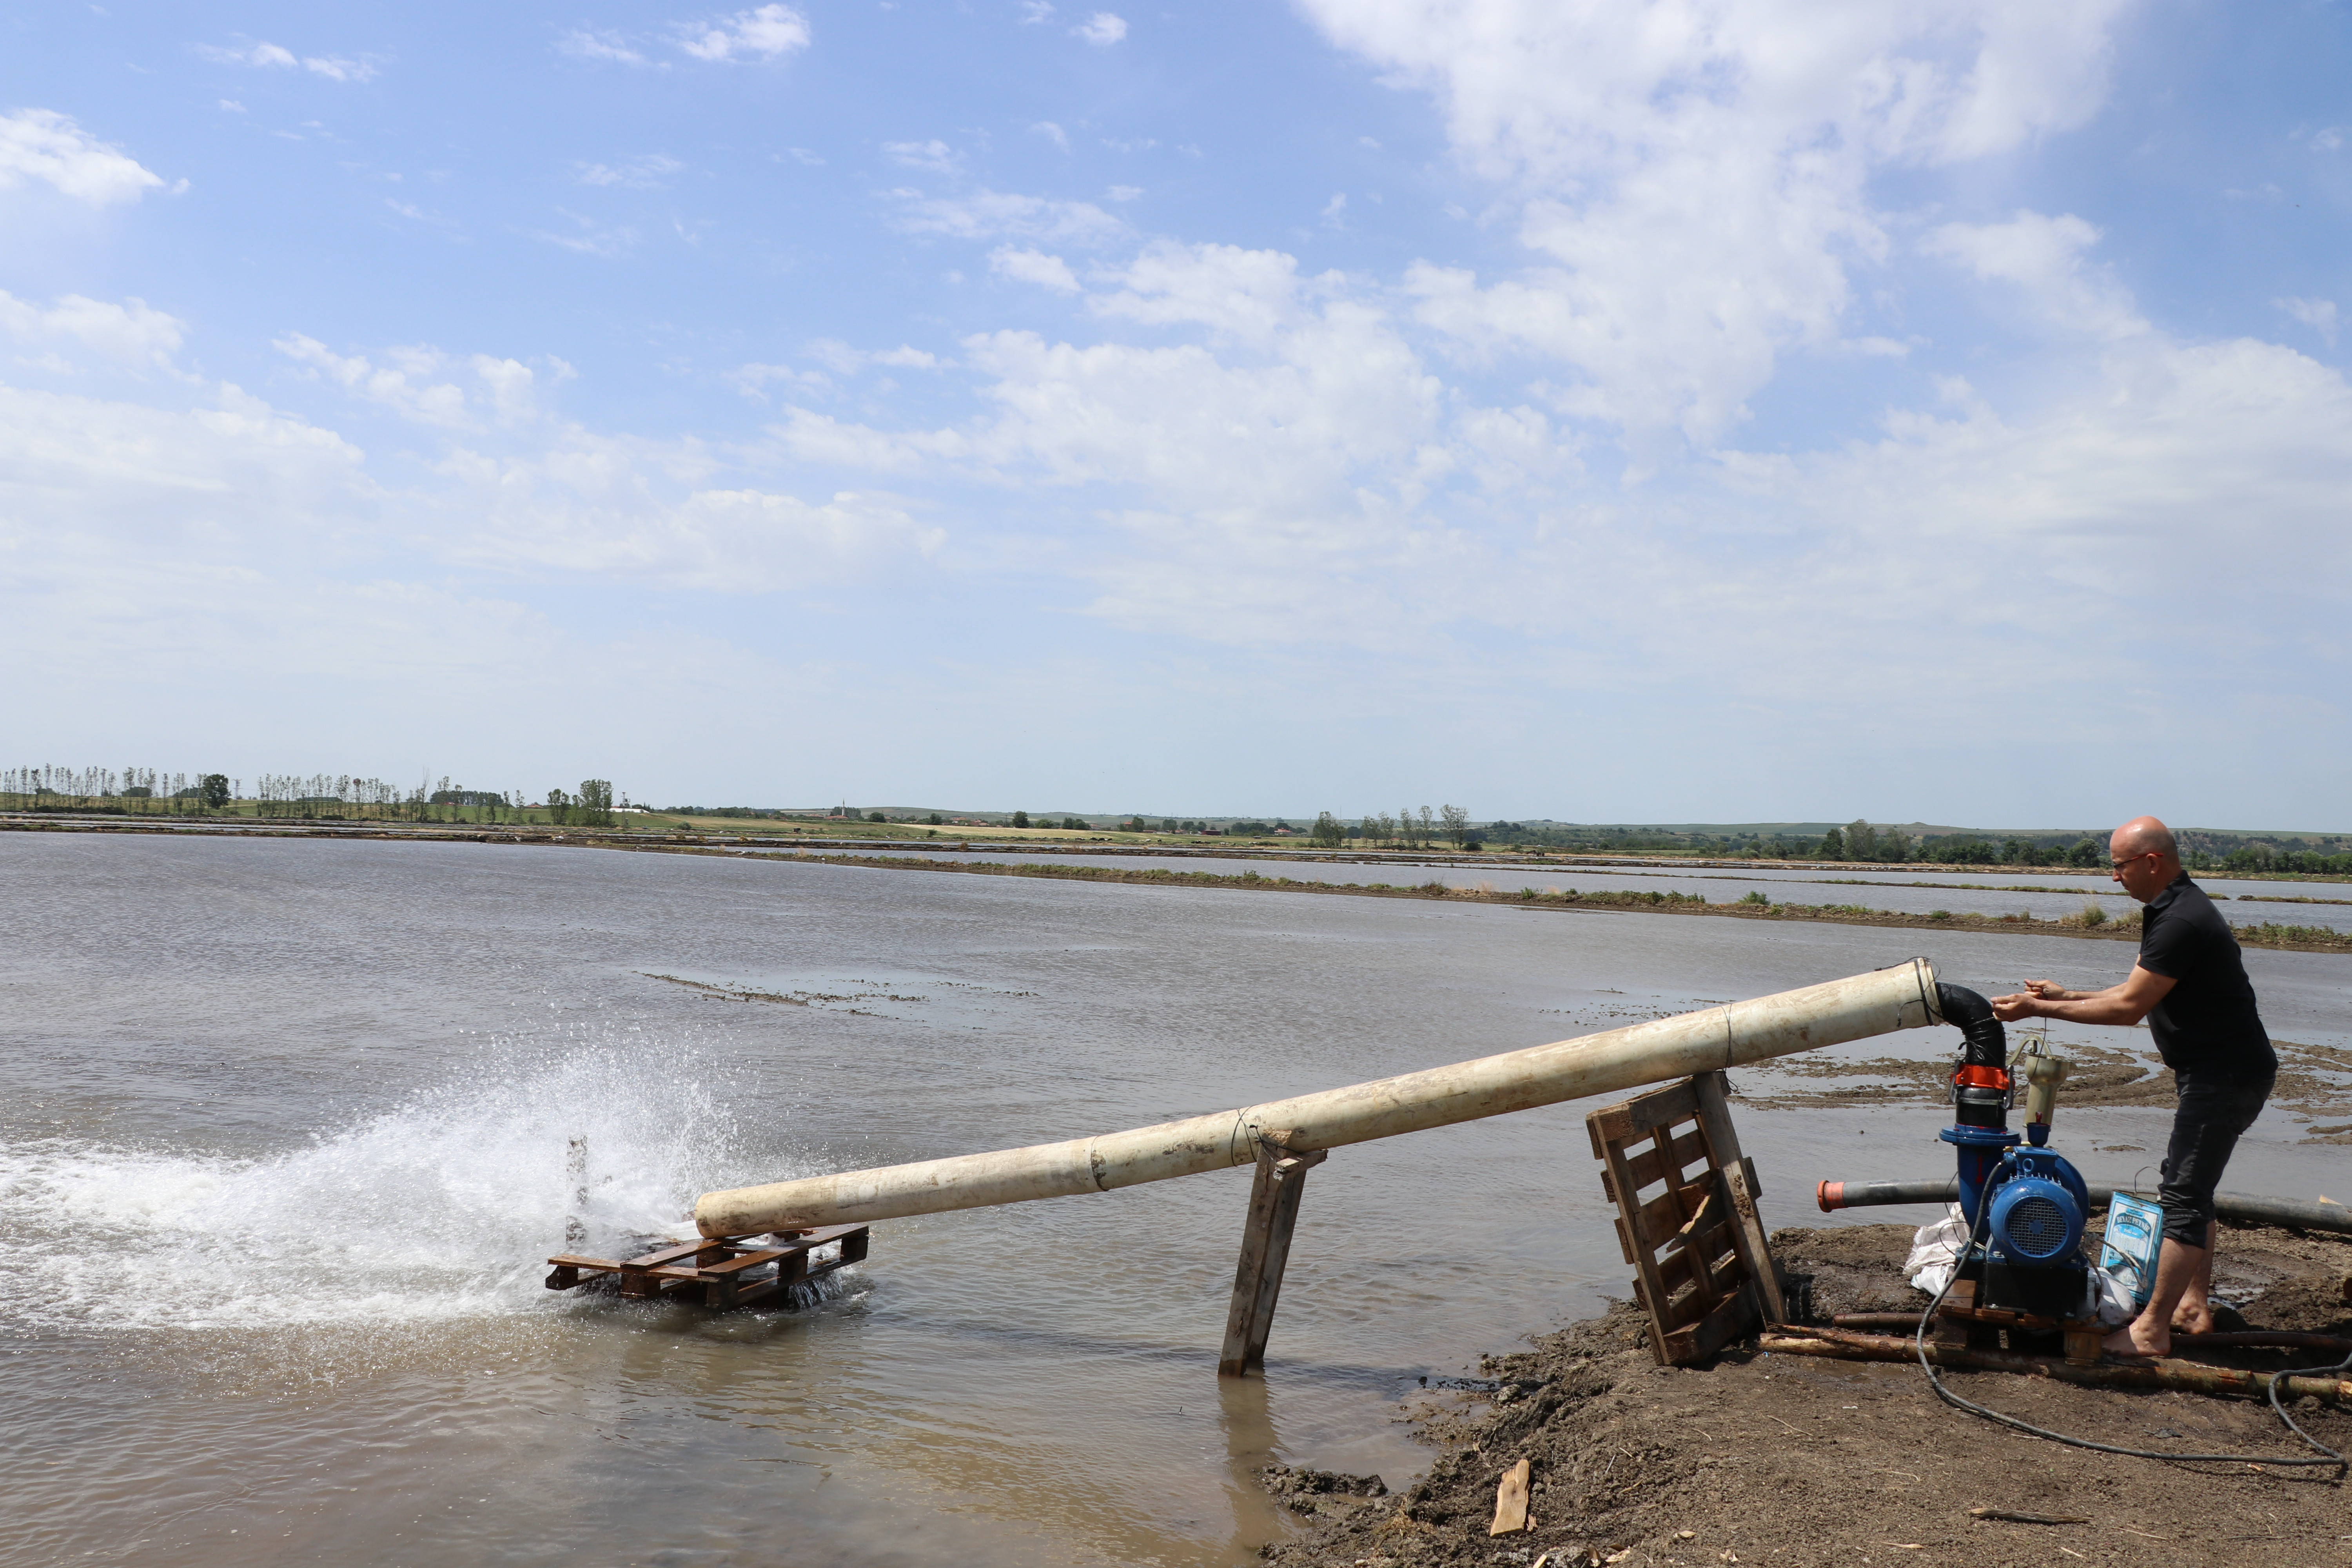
(1757, 1456)
(2269, 935)
(1632, 862)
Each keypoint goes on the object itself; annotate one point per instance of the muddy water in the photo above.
(282, 1133)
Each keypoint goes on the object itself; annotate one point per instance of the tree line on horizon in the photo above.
(315, 796)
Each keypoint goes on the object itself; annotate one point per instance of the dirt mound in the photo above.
(1789, 1459)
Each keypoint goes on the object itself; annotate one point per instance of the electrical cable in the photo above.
(1919, 1348)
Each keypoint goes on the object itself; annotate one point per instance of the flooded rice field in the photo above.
(1914, 891)
(283, 1130)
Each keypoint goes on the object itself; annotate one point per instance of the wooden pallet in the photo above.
(1702, 1267)
(720, 1271)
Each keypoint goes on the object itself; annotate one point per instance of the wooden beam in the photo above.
(1746, 1226)
(1275, 1192)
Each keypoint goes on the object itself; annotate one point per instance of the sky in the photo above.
(1687, 411)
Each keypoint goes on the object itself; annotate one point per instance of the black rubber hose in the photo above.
(2246, 1208)
(1988, 1045)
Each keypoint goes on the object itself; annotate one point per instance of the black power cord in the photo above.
(1919, 1348)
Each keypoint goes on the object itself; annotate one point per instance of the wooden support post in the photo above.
(1739, 1185)
(1266, 1248)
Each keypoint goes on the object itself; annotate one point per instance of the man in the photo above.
(2190, 985)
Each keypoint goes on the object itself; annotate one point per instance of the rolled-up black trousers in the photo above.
(2213, 1112)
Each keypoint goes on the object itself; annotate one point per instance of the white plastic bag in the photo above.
(1935, 1249)
(2109, 1299)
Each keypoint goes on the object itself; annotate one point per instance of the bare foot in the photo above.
(2196, 1320)
(2138, 1340)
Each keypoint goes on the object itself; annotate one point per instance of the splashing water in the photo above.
(440, 1209)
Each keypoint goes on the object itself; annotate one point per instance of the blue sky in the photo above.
(1693, 411)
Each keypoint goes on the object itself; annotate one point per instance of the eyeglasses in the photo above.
(2143, 855)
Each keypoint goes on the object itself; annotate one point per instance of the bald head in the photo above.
(2145, 835)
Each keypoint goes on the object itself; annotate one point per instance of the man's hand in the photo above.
(2125, 1004)
(2019, 1005)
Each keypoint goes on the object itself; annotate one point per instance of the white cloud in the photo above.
(1033, 267)
(844, 360)
(1124, 193)
(1052, 132)
(266, 56)
(590, 507)
(934, 156)
(587, 237)
(753, 380)
(767, 33)
(334, 67)
(1245, 296)
(2043, 256)
(1335, 211)
(599, 44)
(1692, 181)
(1102, 29)
(1035, 11)
(424, 385)
(643, 172)
(992, 215)
(132, 334)
(2319, 315)
(42, 144)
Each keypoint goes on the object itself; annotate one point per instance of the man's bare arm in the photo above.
(2126, 1003)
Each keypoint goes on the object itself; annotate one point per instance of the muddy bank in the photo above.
(2295, 939)
(1789, 1459)
(2314, 1082)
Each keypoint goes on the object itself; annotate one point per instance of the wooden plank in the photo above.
(1645, 1264)
(567, 1260)
(1275, 1188)
(1676, 1102)
(1624, 1239)
(1609, 1124)
(1624, 1123)
(1511, 1500)
(748, 1260)
(563, 1277)
(803, 1240)
(1689, 1149)
(1709, 1091)
(1954, 1329)
(1698, 1205)
(1656, 1222)
(672, 1254)
(1729, 1320)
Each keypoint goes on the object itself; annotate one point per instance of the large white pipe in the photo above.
(1903, 997)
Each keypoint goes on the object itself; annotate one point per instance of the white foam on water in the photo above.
(441, 1209)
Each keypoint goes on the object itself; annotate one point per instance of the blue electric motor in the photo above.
(2038, 1208)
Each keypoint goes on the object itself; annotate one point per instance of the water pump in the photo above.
(2027, 1206)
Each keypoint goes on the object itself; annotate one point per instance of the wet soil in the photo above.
(2316, 1080)
(1758, 1458)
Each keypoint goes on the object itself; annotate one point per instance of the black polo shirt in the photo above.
(2206, 1022)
